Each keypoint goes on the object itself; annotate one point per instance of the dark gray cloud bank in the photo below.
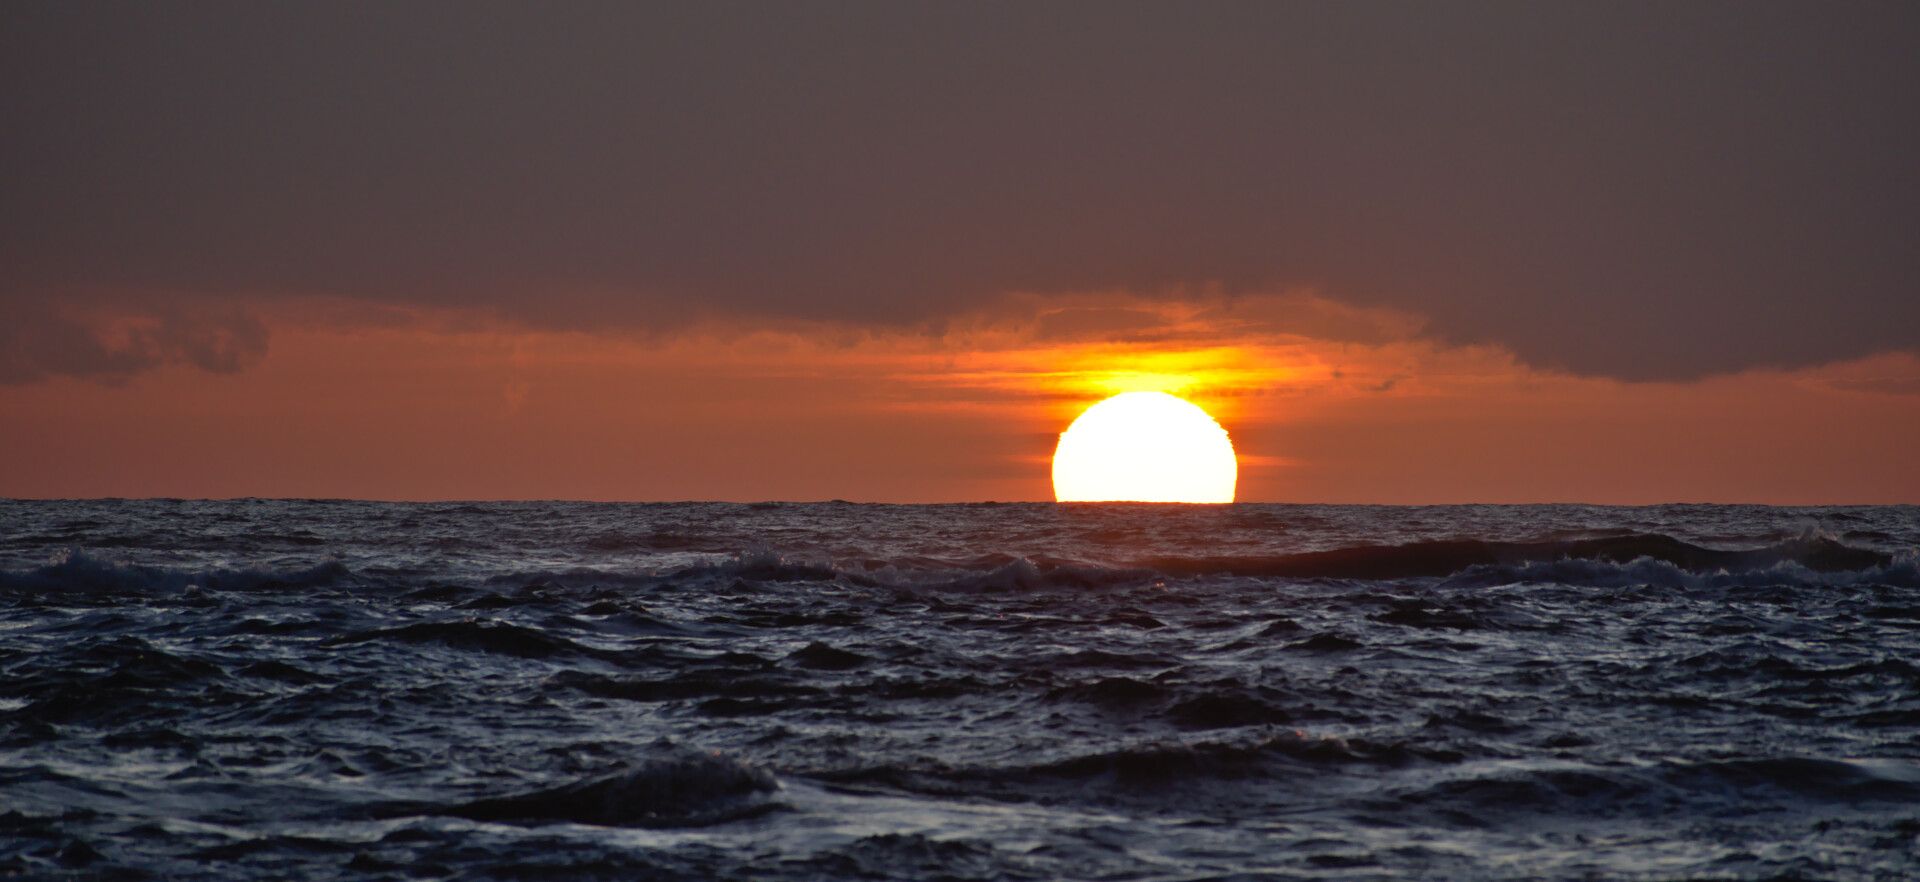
(1641, 190)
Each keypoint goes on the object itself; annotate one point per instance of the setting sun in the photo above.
(1144, 447)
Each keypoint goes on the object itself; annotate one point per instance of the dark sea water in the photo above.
(319, 690)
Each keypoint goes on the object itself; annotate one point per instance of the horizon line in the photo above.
(582, 501)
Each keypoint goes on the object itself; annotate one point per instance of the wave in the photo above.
(117, 680)
(1750, 785)
(910, 856)
(1626, 559)
(697, 790)
(1219, 705)
(1631, 559)
(501, 638)
(1902, 572)
(987, 574)
(1444, 558)
(731, 684)
(651, 540)
(78, 571)
(1023, 574)
(1147, 766)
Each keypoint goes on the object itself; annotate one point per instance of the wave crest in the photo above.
(697, 790)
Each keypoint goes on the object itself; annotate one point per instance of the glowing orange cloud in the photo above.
(1324, 403)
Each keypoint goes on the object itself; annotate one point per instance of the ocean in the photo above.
(275, 689)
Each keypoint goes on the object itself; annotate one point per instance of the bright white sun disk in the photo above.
(1144, 447)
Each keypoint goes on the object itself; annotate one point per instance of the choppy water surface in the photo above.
(271, 689)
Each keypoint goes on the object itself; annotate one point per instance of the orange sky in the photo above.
(1325, 403)
(1404, 252)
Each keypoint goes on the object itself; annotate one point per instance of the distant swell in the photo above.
(1634, 558)
(1435, 559)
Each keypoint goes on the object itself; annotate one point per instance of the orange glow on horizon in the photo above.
(1327, 404)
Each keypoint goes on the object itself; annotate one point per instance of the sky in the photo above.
(1405, 252)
